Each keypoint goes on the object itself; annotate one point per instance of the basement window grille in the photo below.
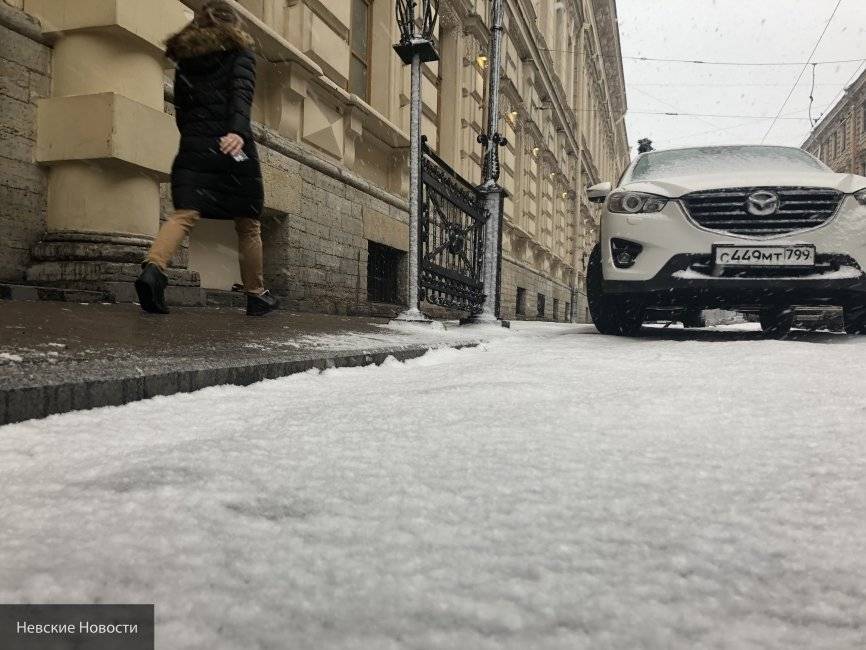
(383, 273)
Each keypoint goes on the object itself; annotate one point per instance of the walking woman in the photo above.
(216, 174)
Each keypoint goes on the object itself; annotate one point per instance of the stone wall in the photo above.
(515, 275)
(316, 245)
(25, 76)
(581, 305)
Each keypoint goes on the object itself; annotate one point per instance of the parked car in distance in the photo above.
(754, 229)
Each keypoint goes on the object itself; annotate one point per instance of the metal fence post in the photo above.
(493, 193)
(414, 49)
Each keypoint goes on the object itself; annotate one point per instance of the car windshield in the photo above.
(720, 160)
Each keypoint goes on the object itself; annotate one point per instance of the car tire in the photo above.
(694, 319)
(854, 317)
(777, 322)
(612, 315)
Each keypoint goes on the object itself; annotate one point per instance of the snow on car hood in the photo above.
(675, 187)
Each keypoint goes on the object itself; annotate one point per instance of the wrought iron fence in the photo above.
(451, 226)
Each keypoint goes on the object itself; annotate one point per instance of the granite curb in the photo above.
(40, 401)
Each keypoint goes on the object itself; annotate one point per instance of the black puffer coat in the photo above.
(213, 95)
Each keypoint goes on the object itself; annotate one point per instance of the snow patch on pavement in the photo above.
(552, 488)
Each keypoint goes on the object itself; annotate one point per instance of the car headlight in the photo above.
(636, 203)
(861, 197)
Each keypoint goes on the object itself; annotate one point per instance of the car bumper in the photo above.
(682, 282)
(675, 266)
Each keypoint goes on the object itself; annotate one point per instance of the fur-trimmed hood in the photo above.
(194, 41)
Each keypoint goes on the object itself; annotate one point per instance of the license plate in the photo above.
(799, 255)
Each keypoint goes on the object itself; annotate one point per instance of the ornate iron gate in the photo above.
(451, 237)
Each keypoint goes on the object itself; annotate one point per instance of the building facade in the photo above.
(839, 139)
(85, 105)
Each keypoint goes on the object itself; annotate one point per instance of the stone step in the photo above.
(174, 295)
(57, 294)
(221, 298)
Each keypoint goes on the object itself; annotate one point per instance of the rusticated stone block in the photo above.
(14, 81)
(82, 273)
(16, 147)
(23, 51)
(22, 176)
(67, 251)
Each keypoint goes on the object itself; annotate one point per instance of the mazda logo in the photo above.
(762, 204)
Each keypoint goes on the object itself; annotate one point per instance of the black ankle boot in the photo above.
(150, 287)
(261, 304)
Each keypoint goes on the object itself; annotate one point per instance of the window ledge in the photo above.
(269, 45)
(373, 120)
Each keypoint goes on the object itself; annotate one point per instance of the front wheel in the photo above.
(694, 319)
(612, 315)
(777, 322)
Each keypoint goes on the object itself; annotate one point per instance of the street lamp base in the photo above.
(485, 319)
(414, 316)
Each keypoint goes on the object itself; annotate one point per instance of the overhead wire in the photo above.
(802, 71)
(710, 115)
(669, 105)
(844, 87)
(715, 85)
(838, 95)
(740, 63)
(720, 130)
(776, 118)
(723, 63)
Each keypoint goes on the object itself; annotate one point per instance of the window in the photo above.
(836, 144)
(540, 305)
(844, 136)
(863, 127)
(521, 302)
(383, 272)
(567, 315)
(359, 45)
(556, 309)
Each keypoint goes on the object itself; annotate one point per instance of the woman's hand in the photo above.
(231, 144)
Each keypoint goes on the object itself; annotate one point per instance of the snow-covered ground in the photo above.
(551, 489)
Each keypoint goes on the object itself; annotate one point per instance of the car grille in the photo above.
(801, 208)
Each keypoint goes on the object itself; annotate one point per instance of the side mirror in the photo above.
(599, 193)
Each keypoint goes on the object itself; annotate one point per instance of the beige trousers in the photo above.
(179, 225)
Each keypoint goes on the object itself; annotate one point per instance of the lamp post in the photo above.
(490, 188)
(415, 48)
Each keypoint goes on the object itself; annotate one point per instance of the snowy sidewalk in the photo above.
(56, 357)
(550, 489)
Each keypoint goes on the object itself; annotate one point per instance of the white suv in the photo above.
(756, 229)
